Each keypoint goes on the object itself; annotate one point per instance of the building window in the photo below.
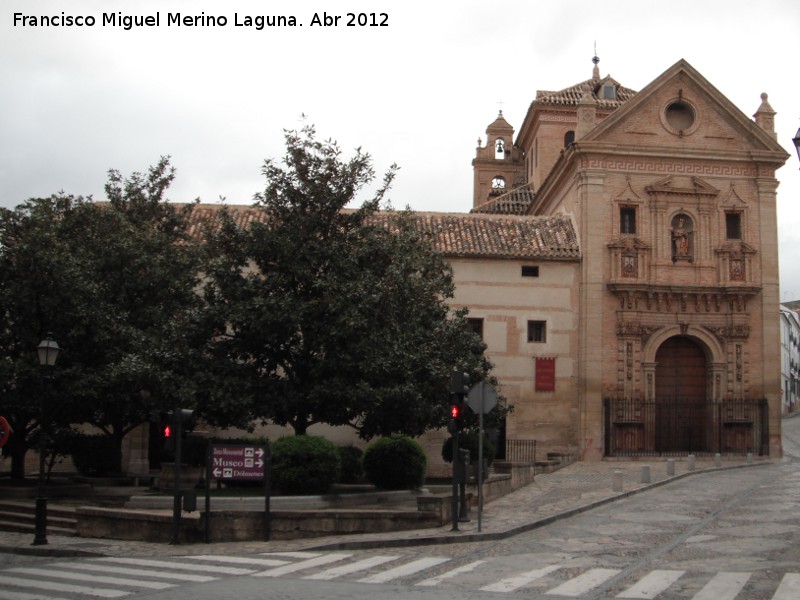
(609, 91)
(627, 220)
(537, 331)
(475, 326)
(733, 226)
(530, 271)
(569, 138)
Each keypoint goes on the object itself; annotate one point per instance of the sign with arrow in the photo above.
(242, 463)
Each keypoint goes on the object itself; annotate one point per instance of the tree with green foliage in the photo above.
(321, 313)
(115, 285)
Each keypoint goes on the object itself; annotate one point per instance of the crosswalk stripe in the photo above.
(242, 560)
(652, 584)
(303, 564)
(787, 590)
(404, 570)
(451, 573)
(723, 586)
(136, 572)
(513, 583)
(62, 587)
(361, 565)
(153, 585)
(145, 562)
(292, 554)
(583, 583)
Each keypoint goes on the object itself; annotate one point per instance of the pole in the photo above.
(208, 495)
(176, 497)
(480, 455)
(267, 489)
(454, 500)
(40, 536)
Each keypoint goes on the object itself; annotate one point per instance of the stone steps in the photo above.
(20, 516)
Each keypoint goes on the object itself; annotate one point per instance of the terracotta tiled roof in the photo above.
(202, 214)
(571, 96)
(514, 202)
(494, 236)
(458, 234)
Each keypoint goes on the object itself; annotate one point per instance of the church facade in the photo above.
(675, 342)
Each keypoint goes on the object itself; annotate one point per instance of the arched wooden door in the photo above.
(682, 413)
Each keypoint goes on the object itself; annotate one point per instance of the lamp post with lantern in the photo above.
(47, 350)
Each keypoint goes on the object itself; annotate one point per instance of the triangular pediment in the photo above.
(733, 200)
(682, 186)
(682, 110)
(629, 243)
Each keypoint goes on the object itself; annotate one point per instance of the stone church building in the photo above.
(661, 334)
(620, 261)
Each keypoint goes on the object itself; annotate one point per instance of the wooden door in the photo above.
(682, 417)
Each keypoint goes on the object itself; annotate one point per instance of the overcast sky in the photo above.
(77, 101)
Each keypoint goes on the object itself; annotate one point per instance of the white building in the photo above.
(790, 359)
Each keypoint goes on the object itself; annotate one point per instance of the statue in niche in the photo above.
(681, 238)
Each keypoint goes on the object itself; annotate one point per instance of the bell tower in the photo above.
(497, 166)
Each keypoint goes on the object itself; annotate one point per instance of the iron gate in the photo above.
(681, 426)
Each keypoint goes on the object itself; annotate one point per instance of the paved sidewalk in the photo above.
(572, 489)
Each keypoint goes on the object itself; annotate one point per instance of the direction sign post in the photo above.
(481, 398)
(238, 463)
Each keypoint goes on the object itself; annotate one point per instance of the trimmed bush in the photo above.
(96, 455)
(304, 464)
(352, 469)
(395, 463)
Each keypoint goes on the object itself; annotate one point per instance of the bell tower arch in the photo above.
(498, 165)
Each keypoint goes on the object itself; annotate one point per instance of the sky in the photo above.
(418, 91)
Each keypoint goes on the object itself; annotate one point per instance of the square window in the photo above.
(733, 226)
(627, 220)
(475, 326)
(537, 331)
(530, 271)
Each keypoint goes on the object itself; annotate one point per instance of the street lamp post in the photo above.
(48, 353)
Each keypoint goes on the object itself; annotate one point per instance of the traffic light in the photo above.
(166, 429)
(459, 387)
(186, 424)
(457, 407)
(459, 383)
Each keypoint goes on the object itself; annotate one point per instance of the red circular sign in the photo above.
(5, 431)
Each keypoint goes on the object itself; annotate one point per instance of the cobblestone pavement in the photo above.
(567, 491)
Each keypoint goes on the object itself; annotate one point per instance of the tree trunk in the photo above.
(300, 426)
(17, 449)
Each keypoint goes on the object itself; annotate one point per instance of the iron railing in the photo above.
(681, 426)
(520, 451)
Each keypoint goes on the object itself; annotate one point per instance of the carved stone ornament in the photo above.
(729, 331)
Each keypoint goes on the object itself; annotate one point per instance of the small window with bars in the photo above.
(537, 331)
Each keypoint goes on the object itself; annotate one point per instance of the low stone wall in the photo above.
(237, 526)
(247, 523)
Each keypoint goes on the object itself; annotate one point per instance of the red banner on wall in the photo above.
(545, 374)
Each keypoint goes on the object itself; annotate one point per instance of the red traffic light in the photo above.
(167, 431)
(455, 411)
